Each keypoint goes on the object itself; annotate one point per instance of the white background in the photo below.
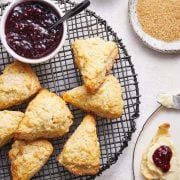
(156, 73)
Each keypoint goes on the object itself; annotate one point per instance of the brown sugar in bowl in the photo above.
(157, 23)
(160, 18)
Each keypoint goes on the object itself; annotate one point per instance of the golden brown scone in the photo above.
(17, 83)
(9, 121)
(148, 168)
(107, 102)
(47, 116)
(94, 57)
(81, 153)
(27, 158)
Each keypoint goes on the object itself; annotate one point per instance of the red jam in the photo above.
(26, 29)
(162, 157)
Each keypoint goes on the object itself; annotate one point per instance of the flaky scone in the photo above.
(9, 121)
(107, 102)
(47, 116)
(161, 140)
(27, 158)
(94, 57)
(17, 83)
(81, 153)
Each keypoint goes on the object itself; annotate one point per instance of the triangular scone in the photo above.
(17, 83)
(94, 57)
(107, 102)
(81, 153)
(27, 158)
(148, 168)
(9, 121)
(47, 116)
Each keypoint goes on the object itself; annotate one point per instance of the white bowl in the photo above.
(156, 44)
(12, 52)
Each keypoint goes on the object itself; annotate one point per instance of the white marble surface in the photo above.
(156, 73)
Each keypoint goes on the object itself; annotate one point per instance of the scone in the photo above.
(27, 158)
(9, 121)
(106, 102)
(17, 83)
(160, 160)
(94, 57)
(47, 116)
(81, 153)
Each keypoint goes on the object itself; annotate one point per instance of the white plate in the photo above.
(158, 45)
(163, 115)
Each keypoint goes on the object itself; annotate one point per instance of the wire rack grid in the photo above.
(60, 74)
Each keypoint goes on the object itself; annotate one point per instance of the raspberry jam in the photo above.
(26, 29)
(162, 157)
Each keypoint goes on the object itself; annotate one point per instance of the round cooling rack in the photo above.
(60, 74)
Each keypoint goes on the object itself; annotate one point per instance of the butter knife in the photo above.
(169, 101)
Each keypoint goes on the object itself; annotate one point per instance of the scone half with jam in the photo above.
(160, 160)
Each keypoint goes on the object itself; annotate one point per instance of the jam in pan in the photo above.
(26, 29)
(162, 157)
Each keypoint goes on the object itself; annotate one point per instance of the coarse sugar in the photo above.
(160, 18)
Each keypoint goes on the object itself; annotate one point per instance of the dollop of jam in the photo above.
(26, 29)
(162, 157)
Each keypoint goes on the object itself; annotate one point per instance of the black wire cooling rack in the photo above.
(60, 74)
